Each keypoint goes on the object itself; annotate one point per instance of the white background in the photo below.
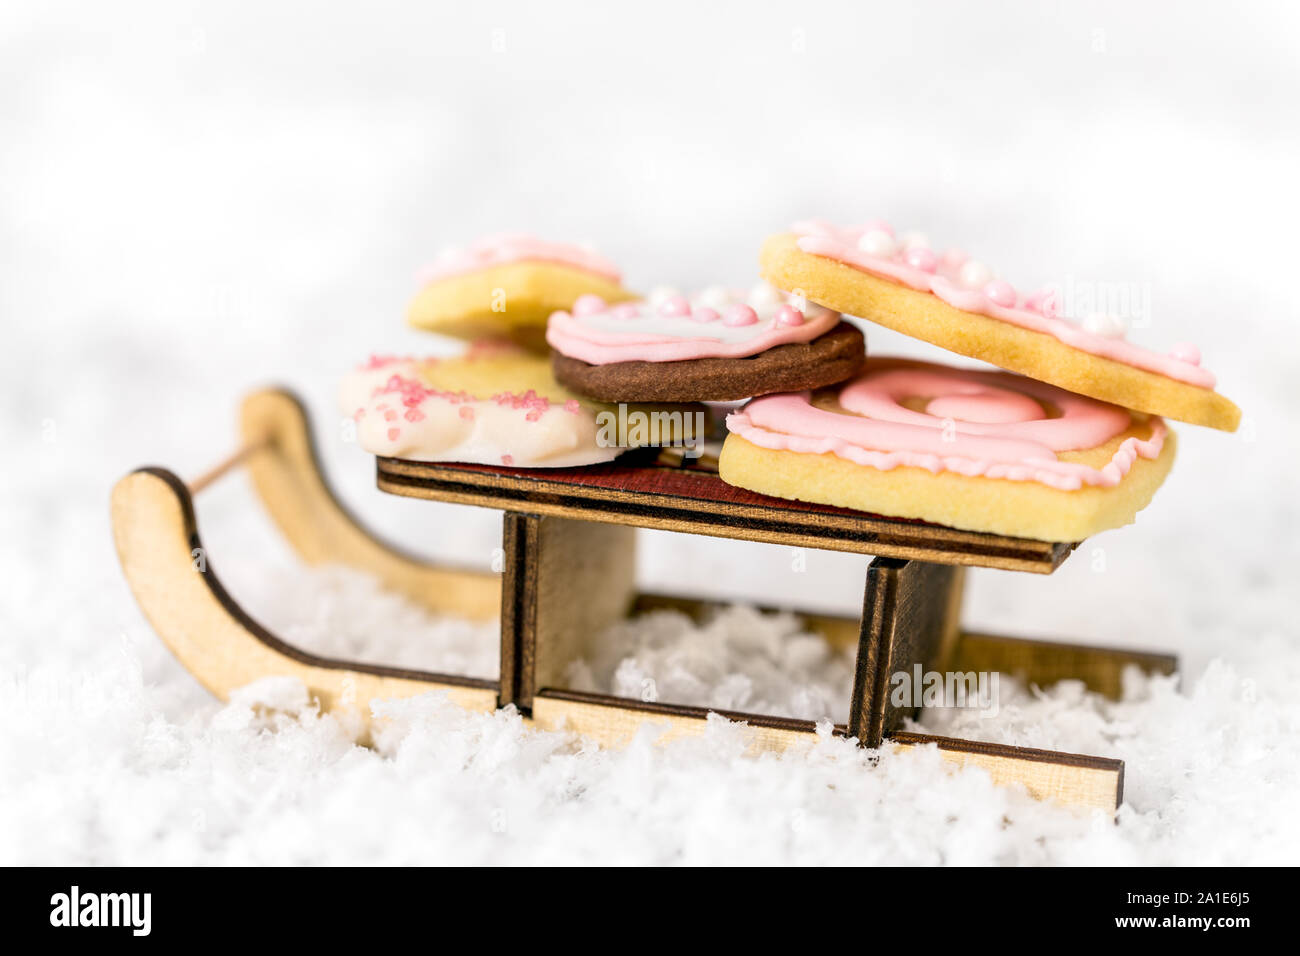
(200, 198)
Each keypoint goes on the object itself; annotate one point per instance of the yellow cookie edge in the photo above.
(924, 316)
(483, 376)
(462, 305)
(1018, 509)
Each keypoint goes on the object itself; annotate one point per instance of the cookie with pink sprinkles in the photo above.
(495, 405)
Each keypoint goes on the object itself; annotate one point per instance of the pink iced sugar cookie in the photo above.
(955, 301)
(986, 451)
(990, 424)
(510, 247)
(509, 284)
(971, 286)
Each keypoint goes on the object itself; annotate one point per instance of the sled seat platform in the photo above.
(668, 492)
(568, 571)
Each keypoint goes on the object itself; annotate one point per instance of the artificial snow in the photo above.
(197, 203)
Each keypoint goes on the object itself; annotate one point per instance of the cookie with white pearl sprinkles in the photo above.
(496, 404)
(509, 284)
(977, 450)
(719, 345)
(958, 303)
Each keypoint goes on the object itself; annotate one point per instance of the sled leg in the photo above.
(910, 615)
(564, 580)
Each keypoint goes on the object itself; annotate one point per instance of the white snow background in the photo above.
(196, 199)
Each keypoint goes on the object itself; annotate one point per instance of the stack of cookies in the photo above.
(1074, 444)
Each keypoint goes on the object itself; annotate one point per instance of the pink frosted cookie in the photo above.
(719, 345)
(956, 302)
(508, 284)
(982, 451)
(493, 406)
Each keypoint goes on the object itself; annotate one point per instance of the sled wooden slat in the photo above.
(1078, 780)
(697, 501)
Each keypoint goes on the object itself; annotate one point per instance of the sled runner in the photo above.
(569, 570)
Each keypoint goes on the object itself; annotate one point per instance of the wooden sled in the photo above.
(569, 563)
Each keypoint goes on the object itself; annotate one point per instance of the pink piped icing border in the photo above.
(505, 248)
(986, 429)
(923, 270)
(677, 328)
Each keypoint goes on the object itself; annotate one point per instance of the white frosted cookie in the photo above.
(494, 405)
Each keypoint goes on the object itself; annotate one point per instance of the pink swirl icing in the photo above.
(719, 324)
(918, 268)
(505, 248)
(975, 423)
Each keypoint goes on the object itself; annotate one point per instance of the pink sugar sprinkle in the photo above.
(393, 433)
(739, 315)
(414, 415)
(489, 346)
(467, 413)
(573, 406)
(507, 459)
(380, 361)
(588, 304)
(359, 414)
(390, 416)
(788, 315)
(675, 306)
(412, 392)
(529, 400)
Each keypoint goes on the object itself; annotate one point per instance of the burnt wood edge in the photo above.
(232, 607)
(518, 625)
(1034, 560)
(952, 744)
(1058, 757)
(876, 642)
(682, 710)
(1158, 661)
(491, 480)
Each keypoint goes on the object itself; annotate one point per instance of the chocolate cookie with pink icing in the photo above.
(981, 451)
(716, 346)
(950, 299)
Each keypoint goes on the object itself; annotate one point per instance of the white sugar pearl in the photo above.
(877, 242)
(1109, 326)
(914, 240)
(661, 294)
(766, 294)
(975, 274)
(715, 297)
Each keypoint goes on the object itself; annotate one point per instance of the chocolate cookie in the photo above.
(831, 357)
